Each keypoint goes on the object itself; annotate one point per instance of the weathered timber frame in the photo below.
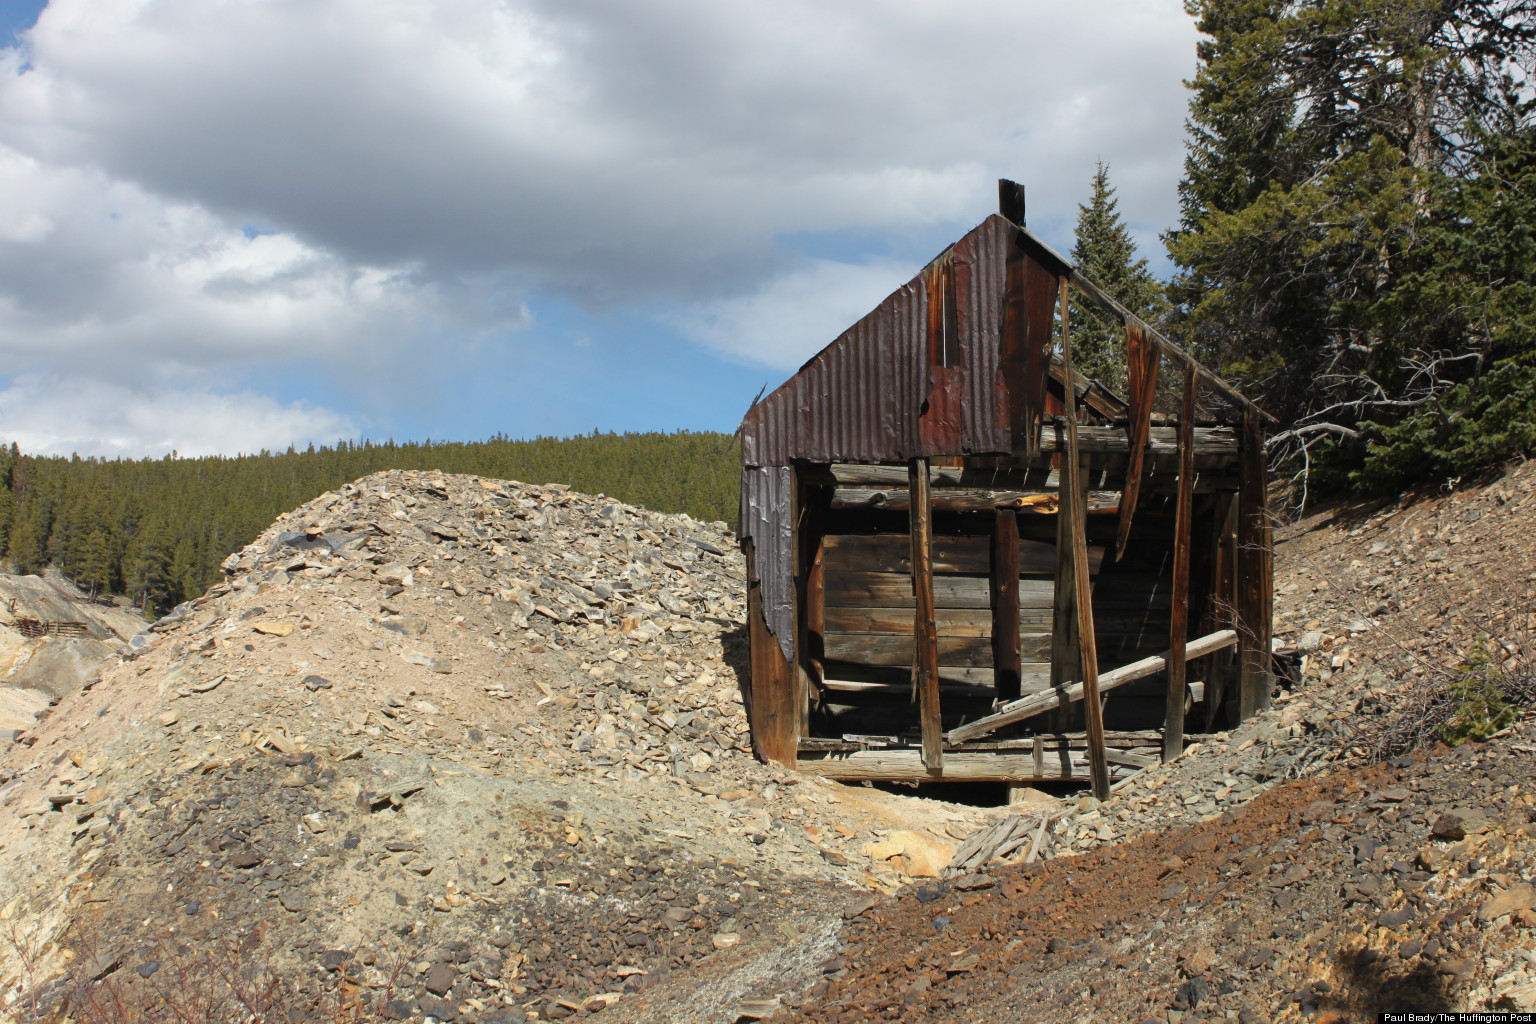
(967, 561)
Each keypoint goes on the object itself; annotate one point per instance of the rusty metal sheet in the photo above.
(861, 398)
(767, 521)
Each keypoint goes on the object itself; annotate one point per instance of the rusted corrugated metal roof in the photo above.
(862, 398)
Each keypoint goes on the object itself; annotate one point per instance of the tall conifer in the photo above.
(1106, 253)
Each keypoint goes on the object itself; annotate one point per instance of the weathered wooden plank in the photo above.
(1178, 620)
(969, 675)
(894, 590)
(1140, 741)
(1033, 679)
(978, 622)
(898, 499)
(886, 649)
(1004, 585)
(1060, 696)
(959, 766)
(1254, 587)
(1081, 583)
(1160, 440)
(925, 659)
(889, 552)
(770, 706)
(1065, 658)
(880, 649)
(1142, 363)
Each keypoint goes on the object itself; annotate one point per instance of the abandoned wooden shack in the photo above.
(966, 561)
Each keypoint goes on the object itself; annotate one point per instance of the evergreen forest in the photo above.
(157, 529)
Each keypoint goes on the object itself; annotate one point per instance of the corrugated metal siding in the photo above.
(766, 520)
(860, 398)
(980, 295)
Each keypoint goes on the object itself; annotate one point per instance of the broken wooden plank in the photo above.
(1178, 621)
(1060, 696)
(1081, 582)
(1102, 299)
(925, 657)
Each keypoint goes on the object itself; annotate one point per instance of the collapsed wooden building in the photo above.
(966, 561)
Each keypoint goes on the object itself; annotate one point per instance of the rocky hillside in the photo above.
(52, 640)
(450, 748)
(441, 746)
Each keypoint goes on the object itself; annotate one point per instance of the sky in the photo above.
(236, 225)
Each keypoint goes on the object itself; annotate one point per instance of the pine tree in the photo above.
(1106, 253)
(1321, 136)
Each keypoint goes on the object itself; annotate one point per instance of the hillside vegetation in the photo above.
(157, 529)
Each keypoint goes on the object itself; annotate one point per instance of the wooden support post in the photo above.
(1004, 580)
(1142, 359)
(1083, 596)
(1065, 644)
(775, 731)
(1178, 619)
(1255, 596)
(925, 658)
(809, 529)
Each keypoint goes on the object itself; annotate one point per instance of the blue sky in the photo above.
(228, 225)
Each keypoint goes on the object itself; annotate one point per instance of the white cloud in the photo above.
(427, 169)
(62, 416)
(609, 147)
(793, 316)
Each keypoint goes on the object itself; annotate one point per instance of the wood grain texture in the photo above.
(1178, 619)
(1060, 696)
(925, 664)
(1081, 583)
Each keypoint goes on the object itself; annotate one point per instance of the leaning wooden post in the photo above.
(925, 638)
(1004, 581)
(1178, 619)
(1254, 588)
(1073, 486)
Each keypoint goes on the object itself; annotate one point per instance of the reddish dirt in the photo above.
(1323, 899)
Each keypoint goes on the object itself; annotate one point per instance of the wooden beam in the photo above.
(1010, 200)
(1061, 696)
(1083, 598)
(1102, 299)
(1142, 362)
(925, 659)
(1178, 620)
(897, 499)
(1065, 659)
(1004, 584)
(959, 766)
(1255, 594)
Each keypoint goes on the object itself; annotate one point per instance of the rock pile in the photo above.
(449, 747)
